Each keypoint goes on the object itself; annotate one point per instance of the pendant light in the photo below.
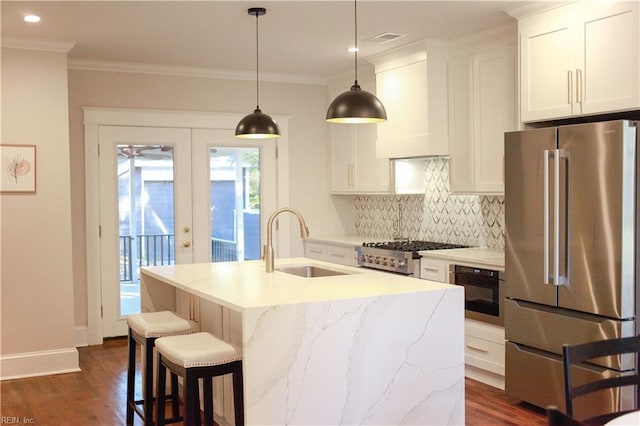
(356, 105)
(257, 125)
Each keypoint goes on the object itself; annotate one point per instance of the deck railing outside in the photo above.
(159, 249)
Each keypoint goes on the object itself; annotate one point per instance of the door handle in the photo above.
(545, 255)
(186, 243)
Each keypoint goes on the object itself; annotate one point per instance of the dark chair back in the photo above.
(584, 352)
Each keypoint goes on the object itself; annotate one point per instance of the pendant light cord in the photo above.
(257, 70)
(355, 26)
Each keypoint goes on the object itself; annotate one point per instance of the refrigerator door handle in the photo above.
(547, 158)
(561, 244)
(556, 217)
(552, 239)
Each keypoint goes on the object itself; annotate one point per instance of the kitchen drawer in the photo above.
(341, 255)
(485, 331)
(484, 354)
(315, 251)
(433, 269)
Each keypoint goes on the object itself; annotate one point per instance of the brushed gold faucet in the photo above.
(268, 248)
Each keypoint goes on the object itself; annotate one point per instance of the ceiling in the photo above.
(301, 39)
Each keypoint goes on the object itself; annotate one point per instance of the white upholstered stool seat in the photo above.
(193, 357)
(159, 324)
(144, 329)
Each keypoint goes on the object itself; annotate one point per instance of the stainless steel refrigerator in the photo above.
(571, 257)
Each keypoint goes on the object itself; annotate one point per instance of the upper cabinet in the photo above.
(580, 59)
(482, 107)
(354, 166)
(411, 82)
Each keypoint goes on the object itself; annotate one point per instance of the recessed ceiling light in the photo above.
(353, 49)
(32, 19)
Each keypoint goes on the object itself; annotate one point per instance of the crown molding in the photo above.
(534, 7)
(201, 72)
(59, 46)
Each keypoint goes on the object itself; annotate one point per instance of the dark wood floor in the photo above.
(96, 396)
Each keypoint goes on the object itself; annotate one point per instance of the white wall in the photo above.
(305, 104)
(37, 318)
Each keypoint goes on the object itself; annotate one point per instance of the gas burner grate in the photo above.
(414, 246)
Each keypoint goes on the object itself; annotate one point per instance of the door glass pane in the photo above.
(146, 216)
(235, 203)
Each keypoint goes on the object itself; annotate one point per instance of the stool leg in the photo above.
(238, 395)
(175, 400)
(160, 392)
(191, 399)
(131, 377)
(147, 393)
(208, 401)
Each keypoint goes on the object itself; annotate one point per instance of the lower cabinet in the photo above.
(331, 252)
(484, 352)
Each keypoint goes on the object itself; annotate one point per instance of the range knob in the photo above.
(392, 262)
(377, 261)
(402, 263)
(385, 261)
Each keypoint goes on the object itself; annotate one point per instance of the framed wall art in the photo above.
(18, 169)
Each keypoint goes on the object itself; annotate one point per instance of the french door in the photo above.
(176, 195)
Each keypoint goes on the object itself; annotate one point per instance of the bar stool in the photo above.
(193, 357)
(144, 329)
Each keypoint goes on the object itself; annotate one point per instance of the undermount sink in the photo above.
(310, 271)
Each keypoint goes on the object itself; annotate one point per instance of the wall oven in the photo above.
(483, 292)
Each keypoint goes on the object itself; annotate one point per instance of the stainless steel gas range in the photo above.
(397, 256)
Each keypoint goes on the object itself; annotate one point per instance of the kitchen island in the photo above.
(364, 347)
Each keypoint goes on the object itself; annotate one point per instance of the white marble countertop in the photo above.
(246, 285)
(471, 256)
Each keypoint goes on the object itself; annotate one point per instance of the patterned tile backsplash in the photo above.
(435, 216)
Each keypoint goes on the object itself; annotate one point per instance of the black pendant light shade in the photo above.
(257, 125)
(356, 105)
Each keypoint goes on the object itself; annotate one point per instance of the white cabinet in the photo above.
(354, 165)
(482, 107)
(433, 269)
(331, 252)
(484, 352)
(579, 59)
(411, 83)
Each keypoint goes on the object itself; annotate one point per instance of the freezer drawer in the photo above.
(548, 328)
(537, 377)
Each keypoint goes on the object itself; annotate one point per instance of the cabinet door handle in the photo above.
(569, 87)
(431, 268)
(338, 255)
(350, 175)
(473, 348)
(578, 85)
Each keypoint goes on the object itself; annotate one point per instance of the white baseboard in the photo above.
(42, 363)
(80, 336)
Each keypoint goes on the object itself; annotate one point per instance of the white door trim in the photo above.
(94, 117)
